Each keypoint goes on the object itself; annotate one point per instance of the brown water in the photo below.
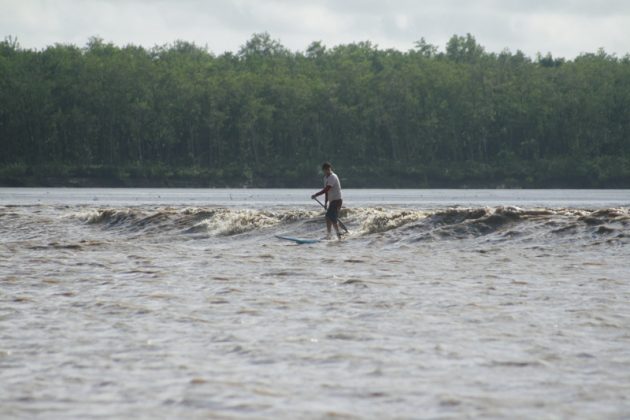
(438, 304)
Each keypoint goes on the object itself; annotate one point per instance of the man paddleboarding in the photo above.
(332, 202)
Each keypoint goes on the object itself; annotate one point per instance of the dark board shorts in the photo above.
(333, 210)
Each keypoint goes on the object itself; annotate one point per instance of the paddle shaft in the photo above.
(340, 222)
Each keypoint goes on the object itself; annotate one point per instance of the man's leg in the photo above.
(336, 225)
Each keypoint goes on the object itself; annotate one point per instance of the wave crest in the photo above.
(497, 223)
(214, 221)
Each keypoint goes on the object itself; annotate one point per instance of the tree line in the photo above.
(268, 116)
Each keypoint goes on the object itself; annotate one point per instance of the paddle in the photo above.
(340, 222)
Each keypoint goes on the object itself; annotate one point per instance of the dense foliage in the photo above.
(266, 116)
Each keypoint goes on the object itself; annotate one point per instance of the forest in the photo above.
(265, 116)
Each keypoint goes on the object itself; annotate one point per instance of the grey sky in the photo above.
(563, 27)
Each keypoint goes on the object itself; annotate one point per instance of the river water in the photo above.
(156, 303)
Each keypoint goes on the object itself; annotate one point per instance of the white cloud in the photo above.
(563, 27)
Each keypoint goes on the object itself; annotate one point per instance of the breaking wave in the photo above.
(215, 222)
(499, 223)
(398, 224)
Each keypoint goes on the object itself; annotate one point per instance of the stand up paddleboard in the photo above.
(299, 241)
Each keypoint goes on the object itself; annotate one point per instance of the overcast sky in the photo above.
(565, 28)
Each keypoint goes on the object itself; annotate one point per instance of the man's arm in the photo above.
(324, 191)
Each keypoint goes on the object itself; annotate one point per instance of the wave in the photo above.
(502, 223)
(214, 222)
(398, 224)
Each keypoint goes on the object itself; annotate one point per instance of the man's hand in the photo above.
(313, 196)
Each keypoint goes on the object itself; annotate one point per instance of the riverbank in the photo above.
(560, 173)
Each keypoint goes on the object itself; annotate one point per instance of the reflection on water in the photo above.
(125, 308)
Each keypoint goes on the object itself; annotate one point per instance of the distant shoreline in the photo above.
(81, 182)
(542, 174)
(179, 116)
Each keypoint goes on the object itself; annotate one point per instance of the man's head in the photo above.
(327, 168)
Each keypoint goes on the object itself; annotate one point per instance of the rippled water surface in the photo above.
(438, 304)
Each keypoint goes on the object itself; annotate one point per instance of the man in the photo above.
(332, 190)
